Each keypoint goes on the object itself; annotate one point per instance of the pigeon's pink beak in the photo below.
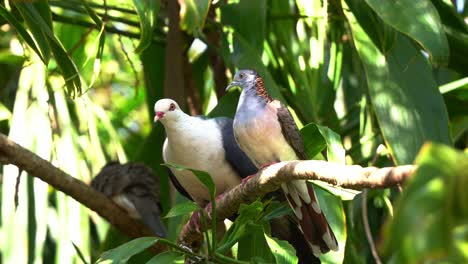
(158, 116)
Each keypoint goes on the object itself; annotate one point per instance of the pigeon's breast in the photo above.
(258, 133)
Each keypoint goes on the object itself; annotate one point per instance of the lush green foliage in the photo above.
(369, 82)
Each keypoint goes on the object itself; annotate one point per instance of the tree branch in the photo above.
(265, 181)
(271, 178)
(12, 153)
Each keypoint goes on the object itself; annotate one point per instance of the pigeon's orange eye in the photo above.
(241, 76)
(172, 107)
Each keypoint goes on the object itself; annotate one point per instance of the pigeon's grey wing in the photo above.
(148, 209)
(234, 155)
(110, 180)
(289, 129)
(177, 185)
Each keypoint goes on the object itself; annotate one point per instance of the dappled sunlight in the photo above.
(368, 86)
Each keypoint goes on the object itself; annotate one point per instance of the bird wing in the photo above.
(234, 155)
(289, 129)
(177, 185)
(313, 223)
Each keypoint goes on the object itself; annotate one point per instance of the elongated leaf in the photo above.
(283, 252)
(227, 105)
(314, 142)
(248, 19)
(202, 176)
(420, 21)
(167, 257)
(316, 138)
(193, 19)
(67, 66)
(206, 179)
(42, 51)
(123, 253)
(332, 207)
(408, 105)
(277, 210)
(430, 220)
(182, 209)
(147, 12)
(247, 213)
(254, 244)
(335, 149)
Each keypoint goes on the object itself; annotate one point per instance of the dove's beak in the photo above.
(158, 115)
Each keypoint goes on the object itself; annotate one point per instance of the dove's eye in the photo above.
(241, 76)
(172, 107)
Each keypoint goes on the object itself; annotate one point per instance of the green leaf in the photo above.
(283, 252)
(202, 176)
(254, 244)
(42, 30)
(167, 257)
(430, 221)
(43, 51)
(227, 105)
(147, 12)
(123, 253)
(206, 179)
(248, 19)
(276, 210)
(332, 207)
(335, 149)
(193, 19)
(317, 137)
(419, 21)
(247, 213)
(407, 103)
(182, 209)
(314, 142)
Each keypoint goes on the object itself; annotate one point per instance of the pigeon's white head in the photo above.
(166, 109)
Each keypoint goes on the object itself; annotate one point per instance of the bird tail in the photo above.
(286, 228)
(150, 214)
(313, 224)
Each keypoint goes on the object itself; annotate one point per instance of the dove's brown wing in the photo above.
(313, 223)
(289, 129)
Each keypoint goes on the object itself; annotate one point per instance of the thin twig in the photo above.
(367, 230)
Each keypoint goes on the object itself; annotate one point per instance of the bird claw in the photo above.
(209, 206)
(246, 179)
(194, 221)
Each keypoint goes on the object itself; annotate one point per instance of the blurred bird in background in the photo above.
(135, 188)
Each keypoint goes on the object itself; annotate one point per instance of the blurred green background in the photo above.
(369, 82)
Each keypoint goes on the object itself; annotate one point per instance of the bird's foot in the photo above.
(209, 206)
(267, 165)
(246, 179)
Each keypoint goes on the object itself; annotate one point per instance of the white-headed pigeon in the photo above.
(209, 145)
(135, 188)
(201, 143)
(267, 133)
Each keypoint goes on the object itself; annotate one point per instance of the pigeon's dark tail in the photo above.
(149, 212)
(313, 224)
(285, 228)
